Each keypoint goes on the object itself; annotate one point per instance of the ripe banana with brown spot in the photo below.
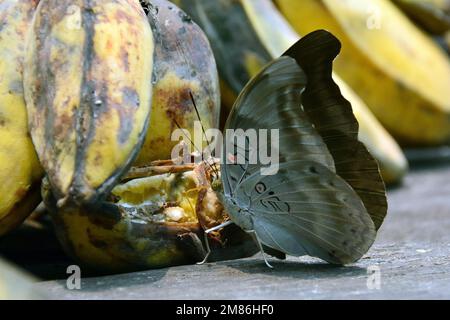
(88, 91)
(20, 171)
(247, 34)
(183, 65)
(402, 75)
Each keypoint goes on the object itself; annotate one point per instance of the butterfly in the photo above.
(327, 199)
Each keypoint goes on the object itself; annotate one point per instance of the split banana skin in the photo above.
(91, 90)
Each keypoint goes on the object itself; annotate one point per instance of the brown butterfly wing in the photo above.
(333, 118)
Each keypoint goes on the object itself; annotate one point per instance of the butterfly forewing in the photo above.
(273, 100)
(333, 118)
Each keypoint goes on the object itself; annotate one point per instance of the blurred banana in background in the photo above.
(247, 34)
(397, 70)
(20, 171)
(432, 15)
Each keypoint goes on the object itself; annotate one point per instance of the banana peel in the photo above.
(264, 34)
(401, 74)
(87, 84)
(184, 66)
(20, 171)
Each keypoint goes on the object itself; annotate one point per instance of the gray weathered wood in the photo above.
(412, 252)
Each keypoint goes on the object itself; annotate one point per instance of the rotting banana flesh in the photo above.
(20, 171)
(150, 222)
(88, 91)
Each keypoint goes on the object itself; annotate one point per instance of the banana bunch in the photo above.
(20, 171)
(402, 75)
(264, 35)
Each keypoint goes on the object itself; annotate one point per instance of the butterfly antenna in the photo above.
(188, 62)
(212, 167)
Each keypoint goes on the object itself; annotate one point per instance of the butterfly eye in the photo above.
(260, 188)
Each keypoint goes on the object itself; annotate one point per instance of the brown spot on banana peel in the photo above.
(88, 109)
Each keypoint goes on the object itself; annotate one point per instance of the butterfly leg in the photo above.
(255, 236)
(208, 249)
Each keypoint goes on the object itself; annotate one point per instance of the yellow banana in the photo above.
(20, 171)
(183, 65)
(402, 75)
(88, 91)
(247, 34)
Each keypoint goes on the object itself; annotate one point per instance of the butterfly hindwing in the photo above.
(307, 209)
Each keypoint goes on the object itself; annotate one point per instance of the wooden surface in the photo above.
(412, 253)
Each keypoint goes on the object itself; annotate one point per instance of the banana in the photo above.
(184, 65)
(263, 34)
(20, 171)
(432, 15)
(150, 222)
(402, 75)
(88, 89)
